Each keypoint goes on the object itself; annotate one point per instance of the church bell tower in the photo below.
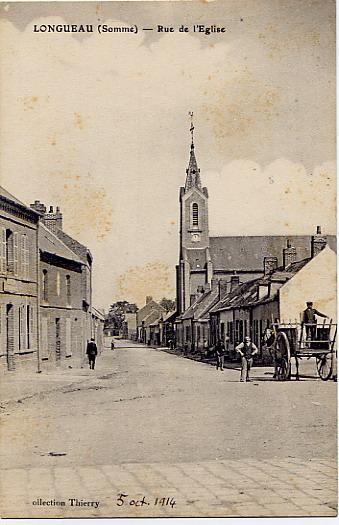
(194, 234)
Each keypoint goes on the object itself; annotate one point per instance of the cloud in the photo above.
(99, 126)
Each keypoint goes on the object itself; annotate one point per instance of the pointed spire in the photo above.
(193, 172)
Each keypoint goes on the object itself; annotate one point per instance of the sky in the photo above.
(99, 125)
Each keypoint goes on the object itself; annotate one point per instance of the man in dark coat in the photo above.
(92, 352)
(220, 354)
(310, 321)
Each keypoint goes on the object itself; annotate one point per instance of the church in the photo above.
(231, 260)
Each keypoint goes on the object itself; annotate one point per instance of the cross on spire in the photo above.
(192, 172)
(192, 126)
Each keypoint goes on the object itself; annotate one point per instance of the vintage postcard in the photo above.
(168, 316)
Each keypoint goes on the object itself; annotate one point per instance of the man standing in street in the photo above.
(220, 354)
(247, 350)
(92, 352)
(310, 321)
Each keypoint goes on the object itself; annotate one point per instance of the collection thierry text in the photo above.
(121, 500)
(133, 29)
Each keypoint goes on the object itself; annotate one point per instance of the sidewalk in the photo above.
(19, 385)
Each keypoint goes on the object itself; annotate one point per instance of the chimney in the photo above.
(53, 219)
(235, 281)
(39, 207)
(318, 242)
(270, 264)
(149, 298)
(289, 254)
(222, 288)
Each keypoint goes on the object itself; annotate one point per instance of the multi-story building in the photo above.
(65, 292)
(46, 315)
(19, 312)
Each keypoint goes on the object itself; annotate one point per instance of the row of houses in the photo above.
(230, 309)
(46, 311)
(248, 308)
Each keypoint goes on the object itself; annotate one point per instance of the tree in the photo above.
(116, 314)
(167, 304)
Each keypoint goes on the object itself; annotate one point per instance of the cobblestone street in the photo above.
(152, 434)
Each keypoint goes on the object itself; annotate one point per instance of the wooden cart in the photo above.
(303, 341)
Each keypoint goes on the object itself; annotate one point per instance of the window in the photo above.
(195, 214)
(68, 289)
(24, 257)
(9, 251)
(58, 283)
(44, 285)
(198, 333)
(3, 250)
(28, 326)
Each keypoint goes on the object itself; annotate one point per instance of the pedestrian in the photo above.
(205, 347)
(247, 350)
(92, 352)
(112, 344)
(310, 322)
(220, 354)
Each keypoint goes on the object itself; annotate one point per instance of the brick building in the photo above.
(46, 315)
(65, 292)
(19, 339)
(147, 315)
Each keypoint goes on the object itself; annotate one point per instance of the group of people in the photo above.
(246, 349)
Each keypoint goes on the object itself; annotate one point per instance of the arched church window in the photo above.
(195, 214)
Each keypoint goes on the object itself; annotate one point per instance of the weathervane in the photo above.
(192, 125)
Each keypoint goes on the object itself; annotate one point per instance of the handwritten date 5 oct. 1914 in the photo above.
(125, 499)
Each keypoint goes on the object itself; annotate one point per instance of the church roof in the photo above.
(247, 253)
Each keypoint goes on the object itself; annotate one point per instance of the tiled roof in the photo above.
(247, 294)
(247, 253)
(49, 243)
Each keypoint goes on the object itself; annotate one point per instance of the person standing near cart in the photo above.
(310, 321)
(247, 350)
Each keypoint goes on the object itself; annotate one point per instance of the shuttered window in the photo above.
(24, 257)
(15, 253)
(195, 214)
(3, 250)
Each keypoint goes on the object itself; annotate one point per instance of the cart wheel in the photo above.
(282, 357)
(324, 366)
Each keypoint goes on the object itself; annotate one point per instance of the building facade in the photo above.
(46, 316)
(19, 338)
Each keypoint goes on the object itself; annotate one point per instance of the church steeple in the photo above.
(192, 172)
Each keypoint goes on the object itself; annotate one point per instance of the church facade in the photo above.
(228, 259)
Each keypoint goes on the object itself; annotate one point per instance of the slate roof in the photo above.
(247, 253)
(201, 306)
(79, 249)
(246, 294)
(50, 243)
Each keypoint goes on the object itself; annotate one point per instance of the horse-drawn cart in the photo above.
(303, 341)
